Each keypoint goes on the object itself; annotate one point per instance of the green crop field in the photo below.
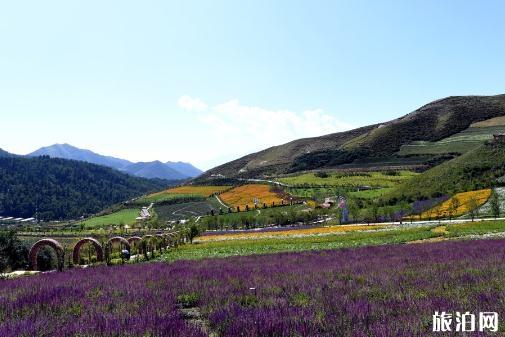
(319, 193)
(342, 179)
(122, 217)
(397, 235)
(370, 194)
(314, 192)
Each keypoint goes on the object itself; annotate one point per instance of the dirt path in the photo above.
(222, 203)
(194, 317)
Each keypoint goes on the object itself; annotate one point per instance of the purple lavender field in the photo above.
(372, 291)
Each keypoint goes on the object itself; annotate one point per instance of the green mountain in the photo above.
(55, 188)
(380, 145)
(479, 168)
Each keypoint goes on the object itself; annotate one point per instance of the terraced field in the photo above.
(163, 197)
(348, 180)
(184, 192)
(459, 143)
(204, 191)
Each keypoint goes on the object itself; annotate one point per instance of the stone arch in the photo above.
(108, 245)
(135, 241)
(172, 239)
(150, 241)
(161, 241)
(55, 245)
(94, 242)
(168, 240)
(176, 239)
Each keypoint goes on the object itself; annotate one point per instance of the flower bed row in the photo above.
(372, 291)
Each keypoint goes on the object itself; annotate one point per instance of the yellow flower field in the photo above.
(204, 191)
(328, 230)
(245, 194)
(463, 203)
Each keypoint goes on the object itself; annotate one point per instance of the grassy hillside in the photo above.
(375, 144)
(479, 168)
(64, 189)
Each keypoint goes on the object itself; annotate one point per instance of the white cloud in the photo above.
(191, 104)
(239, 129)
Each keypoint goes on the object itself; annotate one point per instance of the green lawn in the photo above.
(122, 217)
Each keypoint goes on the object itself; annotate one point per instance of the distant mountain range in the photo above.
(154, 169)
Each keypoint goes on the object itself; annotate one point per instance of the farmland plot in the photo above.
(244, 195)
(459, 204)
(184, 210)
(122, 217)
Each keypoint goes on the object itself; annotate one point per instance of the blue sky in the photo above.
(210, 81)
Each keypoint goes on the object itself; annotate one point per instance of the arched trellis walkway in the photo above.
(116, 239)
(55, 245)
(135, 242)
(162, 242)
(95, 243)
(158, 242)
(172, 239)
(151, 242)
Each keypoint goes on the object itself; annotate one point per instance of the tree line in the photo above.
(58, 189)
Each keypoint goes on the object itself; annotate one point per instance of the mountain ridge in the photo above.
(171, 171)
(368, 145)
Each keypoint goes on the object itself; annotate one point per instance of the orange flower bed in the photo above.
(291, 233)
(244, 195)
(204, 191)
(462, 201)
